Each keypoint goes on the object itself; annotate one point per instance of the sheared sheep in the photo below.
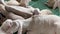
(11, 26)
(44, 24)
(5, 26)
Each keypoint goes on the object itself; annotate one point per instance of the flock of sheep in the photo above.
(18, 16)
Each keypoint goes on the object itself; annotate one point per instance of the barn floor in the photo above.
(40, 4)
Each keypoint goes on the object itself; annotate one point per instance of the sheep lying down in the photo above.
(5, 26)
(10, 27)
(44, 24)
(24, 12)
(26, 22)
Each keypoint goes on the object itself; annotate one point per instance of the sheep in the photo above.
(5, 26)
(11, 26)
(26, 23)
(19, 25)
(16, 26)
(20, 11)
(44, 24)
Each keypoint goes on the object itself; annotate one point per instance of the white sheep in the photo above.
(15, 27)
(5, 26)
(11, 26)
(44, 24)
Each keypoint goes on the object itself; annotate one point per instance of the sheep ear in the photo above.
(35, 12)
